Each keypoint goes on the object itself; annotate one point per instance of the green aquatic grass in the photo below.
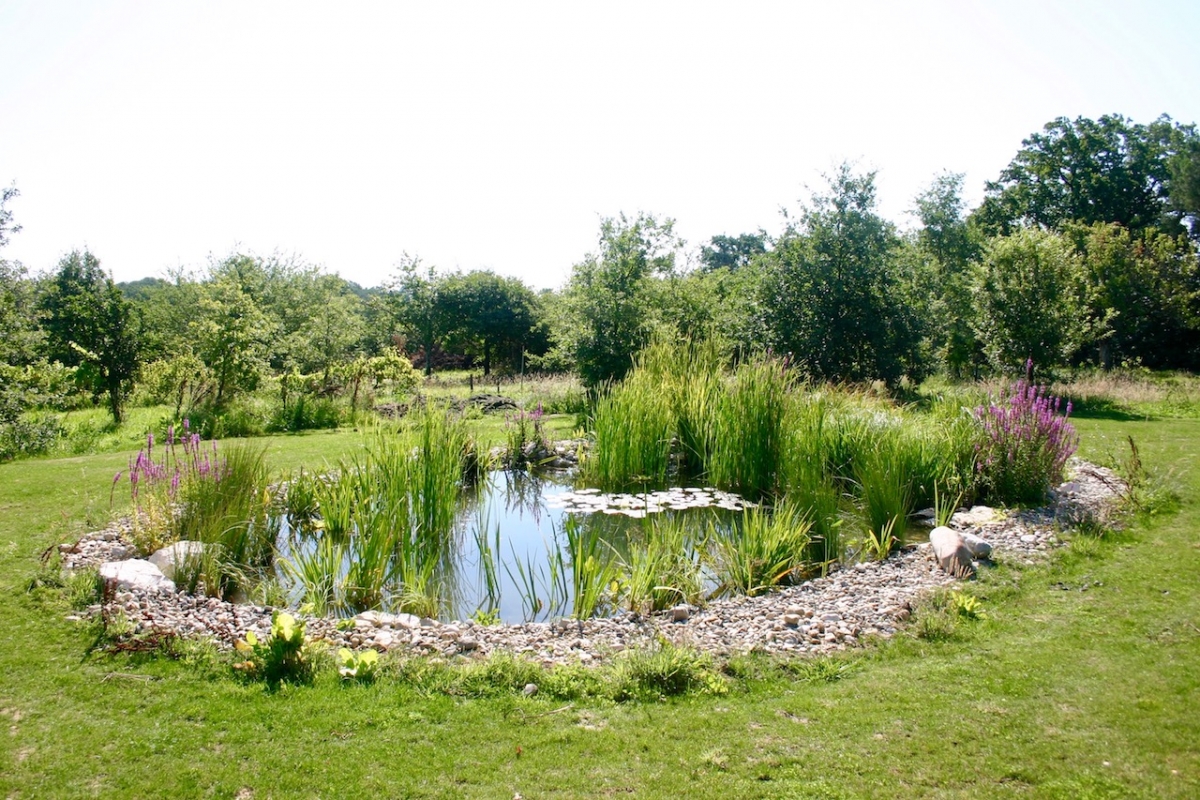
(662, 566)
(764, 549)
(749, 434)
(633, 428)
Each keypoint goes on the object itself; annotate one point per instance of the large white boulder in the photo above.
(980, 548)
(173, 556)
(136, 573)
(951, 552)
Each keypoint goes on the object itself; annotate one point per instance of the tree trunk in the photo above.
(114, 401)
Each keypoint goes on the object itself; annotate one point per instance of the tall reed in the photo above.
(749, 430)
(633, 428)
(393, 509)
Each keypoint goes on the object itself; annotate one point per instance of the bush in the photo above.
(28, 437)
(305, 413)
(1025, 445)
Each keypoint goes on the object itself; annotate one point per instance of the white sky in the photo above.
(497, 135)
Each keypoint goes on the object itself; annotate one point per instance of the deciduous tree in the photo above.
(90, 324)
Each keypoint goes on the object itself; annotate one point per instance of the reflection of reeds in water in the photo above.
(487, 545)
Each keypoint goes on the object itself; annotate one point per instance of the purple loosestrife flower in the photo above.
(1025, 444)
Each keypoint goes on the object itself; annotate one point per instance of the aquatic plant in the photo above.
(749, 430)
(766, 549)
(633, 428)
(594, 567)
(662, 567)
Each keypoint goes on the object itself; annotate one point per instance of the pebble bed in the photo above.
(818, 616)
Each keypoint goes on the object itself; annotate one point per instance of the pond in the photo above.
(510, 554)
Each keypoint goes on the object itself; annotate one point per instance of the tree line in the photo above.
(1083, 251)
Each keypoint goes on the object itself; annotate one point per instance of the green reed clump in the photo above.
(392, 512)
(633, 428)
(804, 475)
(883, 474)
(663, 566)
(764, 549)
(692, 375)
(315, 570)
(749, 429)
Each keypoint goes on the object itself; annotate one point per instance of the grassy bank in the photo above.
(1082, 681)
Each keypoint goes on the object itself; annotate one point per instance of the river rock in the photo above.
(979, 548)
(173, 556)
(976, 516)
(951, 552)
(136, 573)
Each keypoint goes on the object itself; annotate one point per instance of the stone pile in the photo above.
(818, 616)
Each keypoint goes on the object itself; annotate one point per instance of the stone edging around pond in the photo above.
(818, 616)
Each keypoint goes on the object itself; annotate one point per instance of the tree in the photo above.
(492, 316)
(6, 224)
(231, 335)
(609, 298)
(413, 298)
(1185, 179)
(950, 246)
(1089, 171)
(90, 324)
(733, 252)
(1143, 295)
(21, 342)
(834, 295)
(1030, 301)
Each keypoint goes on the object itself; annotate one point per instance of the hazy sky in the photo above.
(497, 135)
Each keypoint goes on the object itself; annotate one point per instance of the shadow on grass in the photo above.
(1103, 408)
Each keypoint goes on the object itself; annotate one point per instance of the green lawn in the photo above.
(1082, 682)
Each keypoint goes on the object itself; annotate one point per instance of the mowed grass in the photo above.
(1083, 681)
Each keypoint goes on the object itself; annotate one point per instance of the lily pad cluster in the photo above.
(592, 501)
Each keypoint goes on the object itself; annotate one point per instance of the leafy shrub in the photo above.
(239, 419)
(306, 413)
(283, 656)
(28, 437)
(1025, 445)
